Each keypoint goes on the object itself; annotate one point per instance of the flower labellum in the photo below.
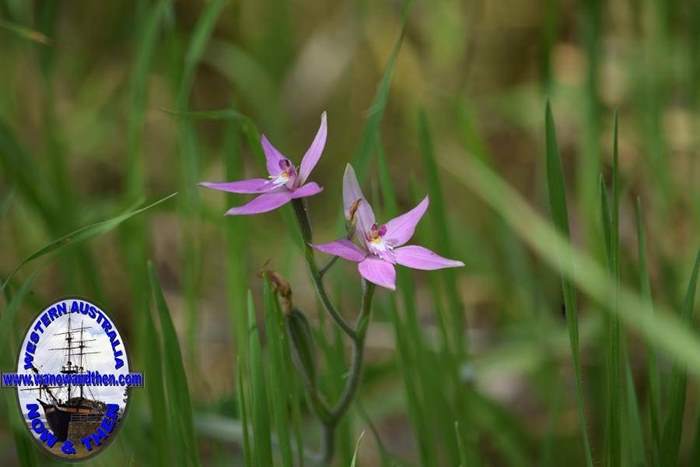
(380, 246)
(284, 183)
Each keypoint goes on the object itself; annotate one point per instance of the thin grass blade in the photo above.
(353, 462)
(440, 228)
(463, 456)
(613, 412)
(189, 171)
(175, 377)
(673, 428)
(278, 377)
(163, 433)
(560, 216)
(370, 133)
(24, 32)
(259, 391)
(85, 233)
(244, 409)
(652, 367)
(662, 330)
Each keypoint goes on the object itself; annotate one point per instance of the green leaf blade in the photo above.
(176, 380)
(673, 428)
(85, 233)
(560, 216)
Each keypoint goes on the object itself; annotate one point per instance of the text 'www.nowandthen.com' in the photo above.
(89, 378)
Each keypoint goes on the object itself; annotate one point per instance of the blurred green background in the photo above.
(107, 104)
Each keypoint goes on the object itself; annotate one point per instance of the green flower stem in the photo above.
(305, 225)
(358, 347)
(328, 265)
(319, 406)
(357, 352)
(357, 334)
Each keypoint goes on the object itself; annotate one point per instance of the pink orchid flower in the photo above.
(380, 247)
(284, 182)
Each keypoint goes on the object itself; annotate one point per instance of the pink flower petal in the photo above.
(343, 248)
(272, 157)
(378, 272)
(351, 193)
(400, 229)
(263, 203)
(313, 154)
(309, 189)
(418, 257)
(253, 185)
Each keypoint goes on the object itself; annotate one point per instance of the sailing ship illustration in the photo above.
(72, 412)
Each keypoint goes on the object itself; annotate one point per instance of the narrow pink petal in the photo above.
(309, 189)
(351, 193)
(400, 229)
(272, 157)
(253, 185)
(417, 257)
(313, 154)
(263, 203)
(378, 272)
(351, 189)
(343, 248)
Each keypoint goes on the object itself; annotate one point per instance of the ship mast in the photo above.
(82, 346)
(70, 368)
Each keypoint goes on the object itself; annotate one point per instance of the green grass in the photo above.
(673, 428)
(24, 446)
(156, 390)
(83, 234)
(653, 399)
(189, 169)
(174, 379)
(559, 213)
